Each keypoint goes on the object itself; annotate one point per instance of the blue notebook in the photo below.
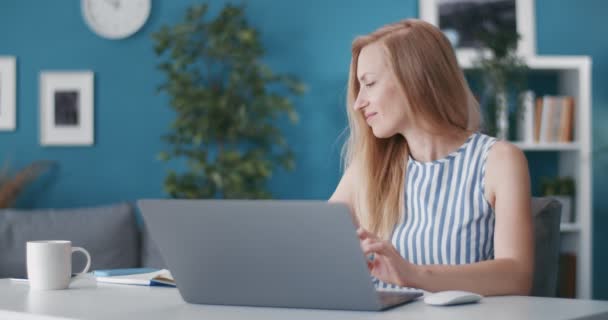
(122, 272)
(156, 278)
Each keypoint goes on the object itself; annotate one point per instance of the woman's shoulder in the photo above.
(505, 160)
(497, 147)
(506, 167)
(504, 151)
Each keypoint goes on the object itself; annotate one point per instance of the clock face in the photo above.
(115, 19)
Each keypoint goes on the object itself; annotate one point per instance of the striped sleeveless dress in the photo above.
(447, 218)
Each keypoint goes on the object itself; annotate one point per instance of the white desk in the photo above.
(86, 300)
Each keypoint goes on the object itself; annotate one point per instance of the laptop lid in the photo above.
(298, 254)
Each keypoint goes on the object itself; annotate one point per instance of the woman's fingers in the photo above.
(374, 246)
(365, 245)
(380, 247)
(364, 234)
(361, 233)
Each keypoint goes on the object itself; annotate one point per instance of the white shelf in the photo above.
(571, 146)
(548, 63)
(570, 227)
(558, 62)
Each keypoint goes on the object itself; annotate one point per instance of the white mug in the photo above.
(49, 264)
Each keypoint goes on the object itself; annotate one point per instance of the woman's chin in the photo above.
(381, 134)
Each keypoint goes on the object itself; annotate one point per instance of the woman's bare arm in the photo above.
(508, 190)
(510, 273)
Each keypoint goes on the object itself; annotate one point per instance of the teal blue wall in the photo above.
(309, 38)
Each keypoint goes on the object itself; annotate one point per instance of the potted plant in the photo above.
(503, 75)
(562, 189)
(227, 104)
(11, 184)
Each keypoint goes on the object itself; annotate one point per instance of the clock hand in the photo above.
(113, 3)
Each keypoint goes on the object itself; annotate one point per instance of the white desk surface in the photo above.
(87, 300)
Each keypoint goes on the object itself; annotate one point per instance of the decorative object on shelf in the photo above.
(115, 19)
(8, 82)
(502, 115)
(227, 105)
(525, 118)
(66, 108)
(460, 21)
(563, 190)
(12, 184)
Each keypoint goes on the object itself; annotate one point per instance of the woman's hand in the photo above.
(386, 263)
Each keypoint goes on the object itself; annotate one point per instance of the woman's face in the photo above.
(381, 102)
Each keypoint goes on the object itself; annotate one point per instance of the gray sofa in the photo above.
(117, 239)
(112, 234)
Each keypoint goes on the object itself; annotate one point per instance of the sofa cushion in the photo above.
(546, 214)
(109, 233)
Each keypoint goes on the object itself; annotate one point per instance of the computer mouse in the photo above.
(451, 297)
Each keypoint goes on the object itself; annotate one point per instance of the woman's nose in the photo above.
(360, 103)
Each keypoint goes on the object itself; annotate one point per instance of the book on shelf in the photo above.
(554, 119)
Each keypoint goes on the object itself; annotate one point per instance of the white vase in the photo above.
(502, 116)
(525, 119)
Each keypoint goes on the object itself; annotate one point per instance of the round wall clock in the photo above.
(115, 19)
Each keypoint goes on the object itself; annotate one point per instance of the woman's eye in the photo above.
(370, 84)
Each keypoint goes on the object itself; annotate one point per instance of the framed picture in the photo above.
(66, 108)
(460, 19)
(8, 80)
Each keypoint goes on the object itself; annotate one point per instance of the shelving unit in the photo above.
(570, 227)
(548, 146)
(573, 75)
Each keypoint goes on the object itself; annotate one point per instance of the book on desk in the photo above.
(142, 277)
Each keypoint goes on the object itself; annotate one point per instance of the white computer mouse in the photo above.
(452, 297)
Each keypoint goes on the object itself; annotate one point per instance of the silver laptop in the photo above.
(295, 254)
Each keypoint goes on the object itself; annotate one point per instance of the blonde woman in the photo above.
(439, 205)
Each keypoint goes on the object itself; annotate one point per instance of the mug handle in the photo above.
(86, 253)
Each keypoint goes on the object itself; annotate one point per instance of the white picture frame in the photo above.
(66, 108)
(8, 103)
(429, 11)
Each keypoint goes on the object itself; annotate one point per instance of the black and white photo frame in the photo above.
(459, 19)
(8, 80)
(66, 108)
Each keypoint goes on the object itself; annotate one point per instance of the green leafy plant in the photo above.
(558, 186)
(227, 105)
(503, 72)
(11, 184)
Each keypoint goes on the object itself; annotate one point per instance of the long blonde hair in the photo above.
(437, 92)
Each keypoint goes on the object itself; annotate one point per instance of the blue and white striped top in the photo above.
(447, 217)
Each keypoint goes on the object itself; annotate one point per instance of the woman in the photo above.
(439, 205)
